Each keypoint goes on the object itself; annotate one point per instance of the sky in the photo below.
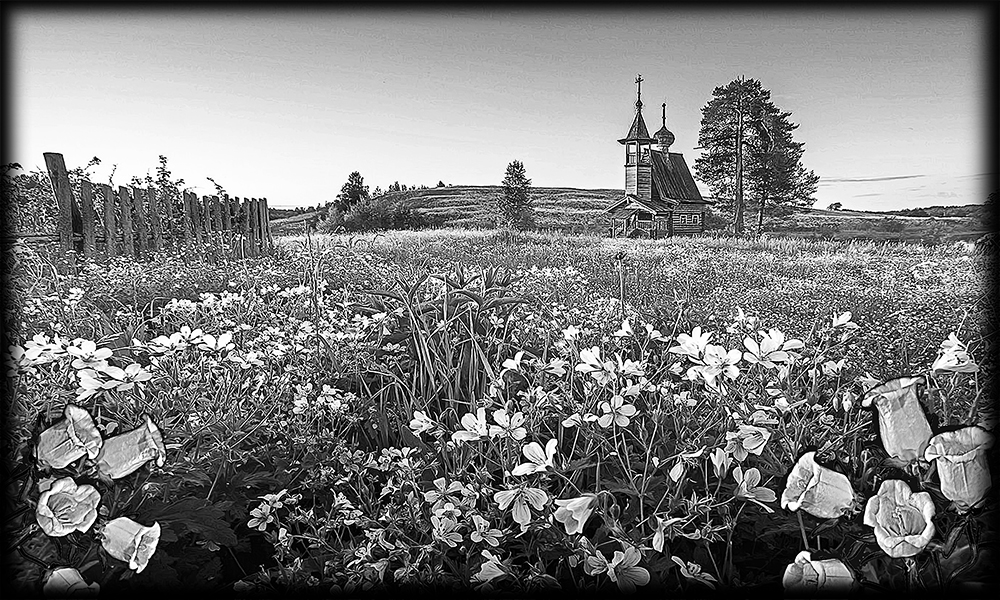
(891, 102)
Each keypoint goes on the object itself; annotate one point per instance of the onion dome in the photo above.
(664, 137)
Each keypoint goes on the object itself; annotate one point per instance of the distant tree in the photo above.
(378, 192)
(514, 202)
(440, 184)
(835, 206)
(395, 187)
(750, 152)
(352, 192)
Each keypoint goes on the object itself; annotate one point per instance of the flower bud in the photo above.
(961, 464)
(68, 440)
(131, 542)
(123, 454)
(66, 507)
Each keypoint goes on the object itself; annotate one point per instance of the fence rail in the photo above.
(136, 221)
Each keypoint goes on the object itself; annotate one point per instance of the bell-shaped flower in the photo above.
(961, 464)
(573, 513)
(953, 356)
(123, 454)
(819, 491)
(809, 577)
(902, 519)
(540, 460)
(902, 424)
(65, 582)
(66, 507)
(131, 542)
(72, 438)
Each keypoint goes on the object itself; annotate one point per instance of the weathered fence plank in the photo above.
(188, 223)
(227, 217)
(196, 222)
(170, 228)
(89, 216)
(125, 203)
(155, 225)
(63, 191)
(216, 214)
(110, 232)
(139, 221)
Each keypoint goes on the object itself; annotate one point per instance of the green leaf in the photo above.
(196, 516)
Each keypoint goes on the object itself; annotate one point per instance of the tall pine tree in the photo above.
(768, 171)
(514, 202)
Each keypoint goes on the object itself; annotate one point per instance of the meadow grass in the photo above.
(496, 411)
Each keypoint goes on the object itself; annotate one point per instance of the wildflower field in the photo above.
(506, 414)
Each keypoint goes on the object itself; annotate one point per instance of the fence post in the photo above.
(63, 191)
(188, 225)
(154, 220)
(240, 224)
(196, 221)
(128, 242)
(170, 231)
(267, 225)
(141, 230)
(110, 231)
(216, 214)
(87, 208)
(227, 221)
(206, 221)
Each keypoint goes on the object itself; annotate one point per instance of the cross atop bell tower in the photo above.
(637, 145)
(638, 93)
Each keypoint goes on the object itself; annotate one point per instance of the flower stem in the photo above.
(802, 530)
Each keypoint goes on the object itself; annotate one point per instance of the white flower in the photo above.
(571, 333)
(954, 357)
(809, 577)
(70, 439)
(68, 583)
(421, 423)
(513, 364)
(476, 427)
(623, 570)
(603, 371)
(692, 345)
(507, 425)
(616, 412)
(131, 542)
(541, 460)
(574, 512)
(520, 498)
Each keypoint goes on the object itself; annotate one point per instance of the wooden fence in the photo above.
(136, 221)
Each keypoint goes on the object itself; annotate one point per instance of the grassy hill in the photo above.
(578, 210)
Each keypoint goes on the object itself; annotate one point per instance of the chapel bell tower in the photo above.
(638, 165)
